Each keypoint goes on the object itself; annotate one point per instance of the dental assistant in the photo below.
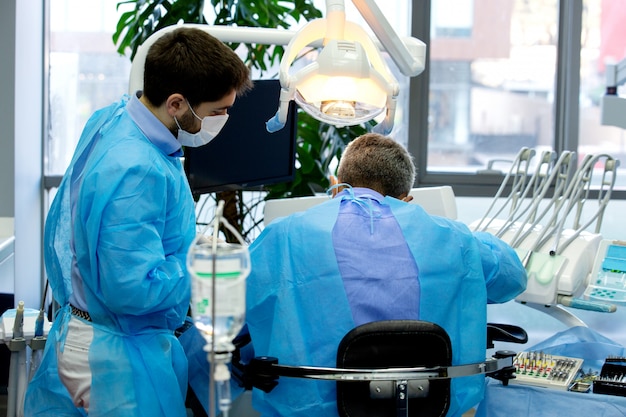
(366, 255)
(117, 235)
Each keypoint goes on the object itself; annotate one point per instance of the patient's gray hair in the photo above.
(377, 162)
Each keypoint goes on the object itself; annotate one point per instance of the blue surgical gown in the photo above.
(363, 257)
(131, 225)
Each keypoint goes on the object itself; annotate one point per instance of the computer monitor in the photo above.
(244, 155)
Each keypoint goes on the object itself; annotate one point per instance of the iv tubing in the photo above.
(216, 226)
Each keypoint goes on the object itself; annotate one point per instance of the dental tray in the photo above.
(544, 370)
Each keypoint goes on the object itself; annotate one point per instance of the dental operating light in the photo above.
(349, 83)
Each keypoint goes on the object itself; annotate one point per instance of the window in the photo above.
(510, 74)
(602, 39)
(452, 25)
(502, 74)
(86, 73)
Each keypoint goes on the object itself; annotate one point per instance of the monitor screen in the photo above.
(244, 155)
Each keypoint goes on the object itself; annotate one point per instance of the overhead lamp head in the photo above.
(348, 84)
(349, 52)
(341, 87)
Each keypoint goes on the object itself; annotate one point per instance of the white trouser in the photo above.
(73, 361)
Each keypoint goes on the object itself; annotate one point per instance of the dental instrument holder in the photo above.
(558, 260)
(219, 271)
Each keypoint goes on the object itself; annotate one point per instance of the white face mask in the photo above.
(210, 127)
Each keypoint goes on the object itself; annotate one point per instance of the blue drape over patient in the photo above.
(134, 220)
(363, 257)
(523, 400)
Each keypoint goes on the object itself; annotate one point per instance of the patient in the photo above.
(368, 255)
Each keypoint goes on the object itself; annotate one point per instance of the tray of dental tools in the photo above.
(612, 379)
(544, 370)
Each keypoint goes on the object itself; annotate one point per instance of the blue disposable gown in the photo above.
(133, 225)
(299, 309)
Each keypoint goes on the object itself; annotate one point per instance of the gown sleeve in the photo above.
(504, 273)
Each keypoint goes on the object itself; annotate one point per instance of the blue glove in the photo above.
(273, 124)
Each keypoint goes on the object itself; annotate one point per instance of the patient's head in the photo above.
(377, 162)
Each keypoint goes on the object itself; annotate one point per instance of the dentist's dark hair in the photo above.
(195, 64)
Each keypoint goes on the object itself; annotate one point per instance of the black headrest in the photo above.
(393, 344)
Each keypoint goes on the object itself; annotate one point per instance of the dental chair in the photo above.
(397, 368)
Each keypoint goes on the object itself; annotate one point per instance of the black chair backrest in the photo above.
(394, 344)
